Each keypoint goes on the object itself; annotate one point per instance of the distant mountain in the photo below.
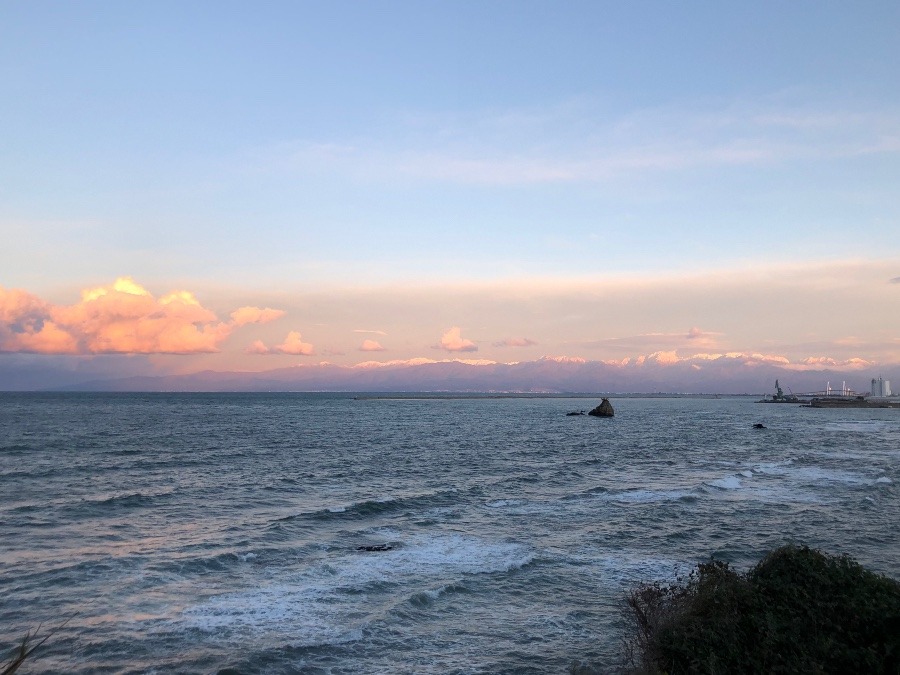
(546, 375)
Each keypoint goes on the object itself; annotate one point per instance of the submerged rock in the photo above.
(605, 409)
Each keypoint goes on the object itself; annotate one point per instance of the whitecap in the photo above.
(331, 602)
(727, 483)
(631, 496)
(498, 503)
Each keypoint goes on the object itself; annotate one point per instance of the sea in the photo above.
(238, 533)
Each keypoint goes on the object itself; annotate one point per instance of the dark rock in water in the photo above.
(605, 409)
(574, 413)
(759, 426)
(375, 547)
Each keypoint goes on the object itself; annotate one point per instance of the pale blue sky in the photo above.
(459, 138)
(254, 153)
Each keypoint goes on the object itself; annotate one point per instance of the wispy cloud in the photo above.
(693, 339)
(371, 346)
(515, 342)
(581, 143)
(245, 315)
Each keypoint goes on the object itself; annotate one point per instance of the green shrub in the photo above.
(798, 610)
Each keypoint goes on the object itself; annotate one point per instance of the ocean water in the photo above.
(205, 533)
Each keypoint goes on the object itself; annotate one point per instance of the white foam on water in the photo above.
(818, 474)
(331, 602)
(621, 570)
(815, 474)
(430, 595)
(727, 483)
(862, 426)
(883, 479)
(244, 557)
(747, 474)
(499, 503)
(640, 496)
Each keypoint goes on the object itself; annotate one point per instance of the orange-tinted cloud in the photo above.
(258, 347)
(452, 341)
(293, 344)
(371, 346)
(245, 315)
(123, 318)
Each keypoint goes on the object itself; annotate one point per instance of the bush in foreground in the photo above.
(797, 611)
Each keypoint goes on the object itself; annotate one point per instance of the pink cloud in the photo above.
(293, 344)
(121, 318)
(371, 346)
(515, 342)
(452, 341)
(258, 347)
(245, 315)
(695, 338)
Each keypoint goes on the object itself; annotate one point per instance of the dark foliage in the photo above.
(797, 611)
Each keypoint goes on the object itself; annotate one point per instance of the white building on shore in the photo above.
(881, 387)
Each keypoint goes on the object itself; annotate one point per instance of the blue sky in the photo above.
(267, 153)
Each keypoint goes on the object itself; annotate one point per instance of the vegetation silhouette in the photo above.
(797, 611)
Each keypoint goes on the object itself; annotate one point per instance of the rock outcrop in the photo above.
(605, 409)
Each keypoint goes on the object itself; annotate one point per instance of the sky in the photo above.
(248, 186)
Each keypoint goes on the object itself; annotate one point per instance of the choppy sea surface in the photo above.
(205, 533)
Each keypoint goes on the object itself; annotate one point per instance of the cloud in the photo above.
(371, 346)
(515, 342)
(293, 344)
(245, 315)
(895, 280)
(695, 338)
(452, 341)
(579, 142)
(257, 347)
(371, 332)
(123, 318)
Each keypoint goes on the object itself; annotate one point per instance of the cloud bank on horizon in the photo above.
(125, 318)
